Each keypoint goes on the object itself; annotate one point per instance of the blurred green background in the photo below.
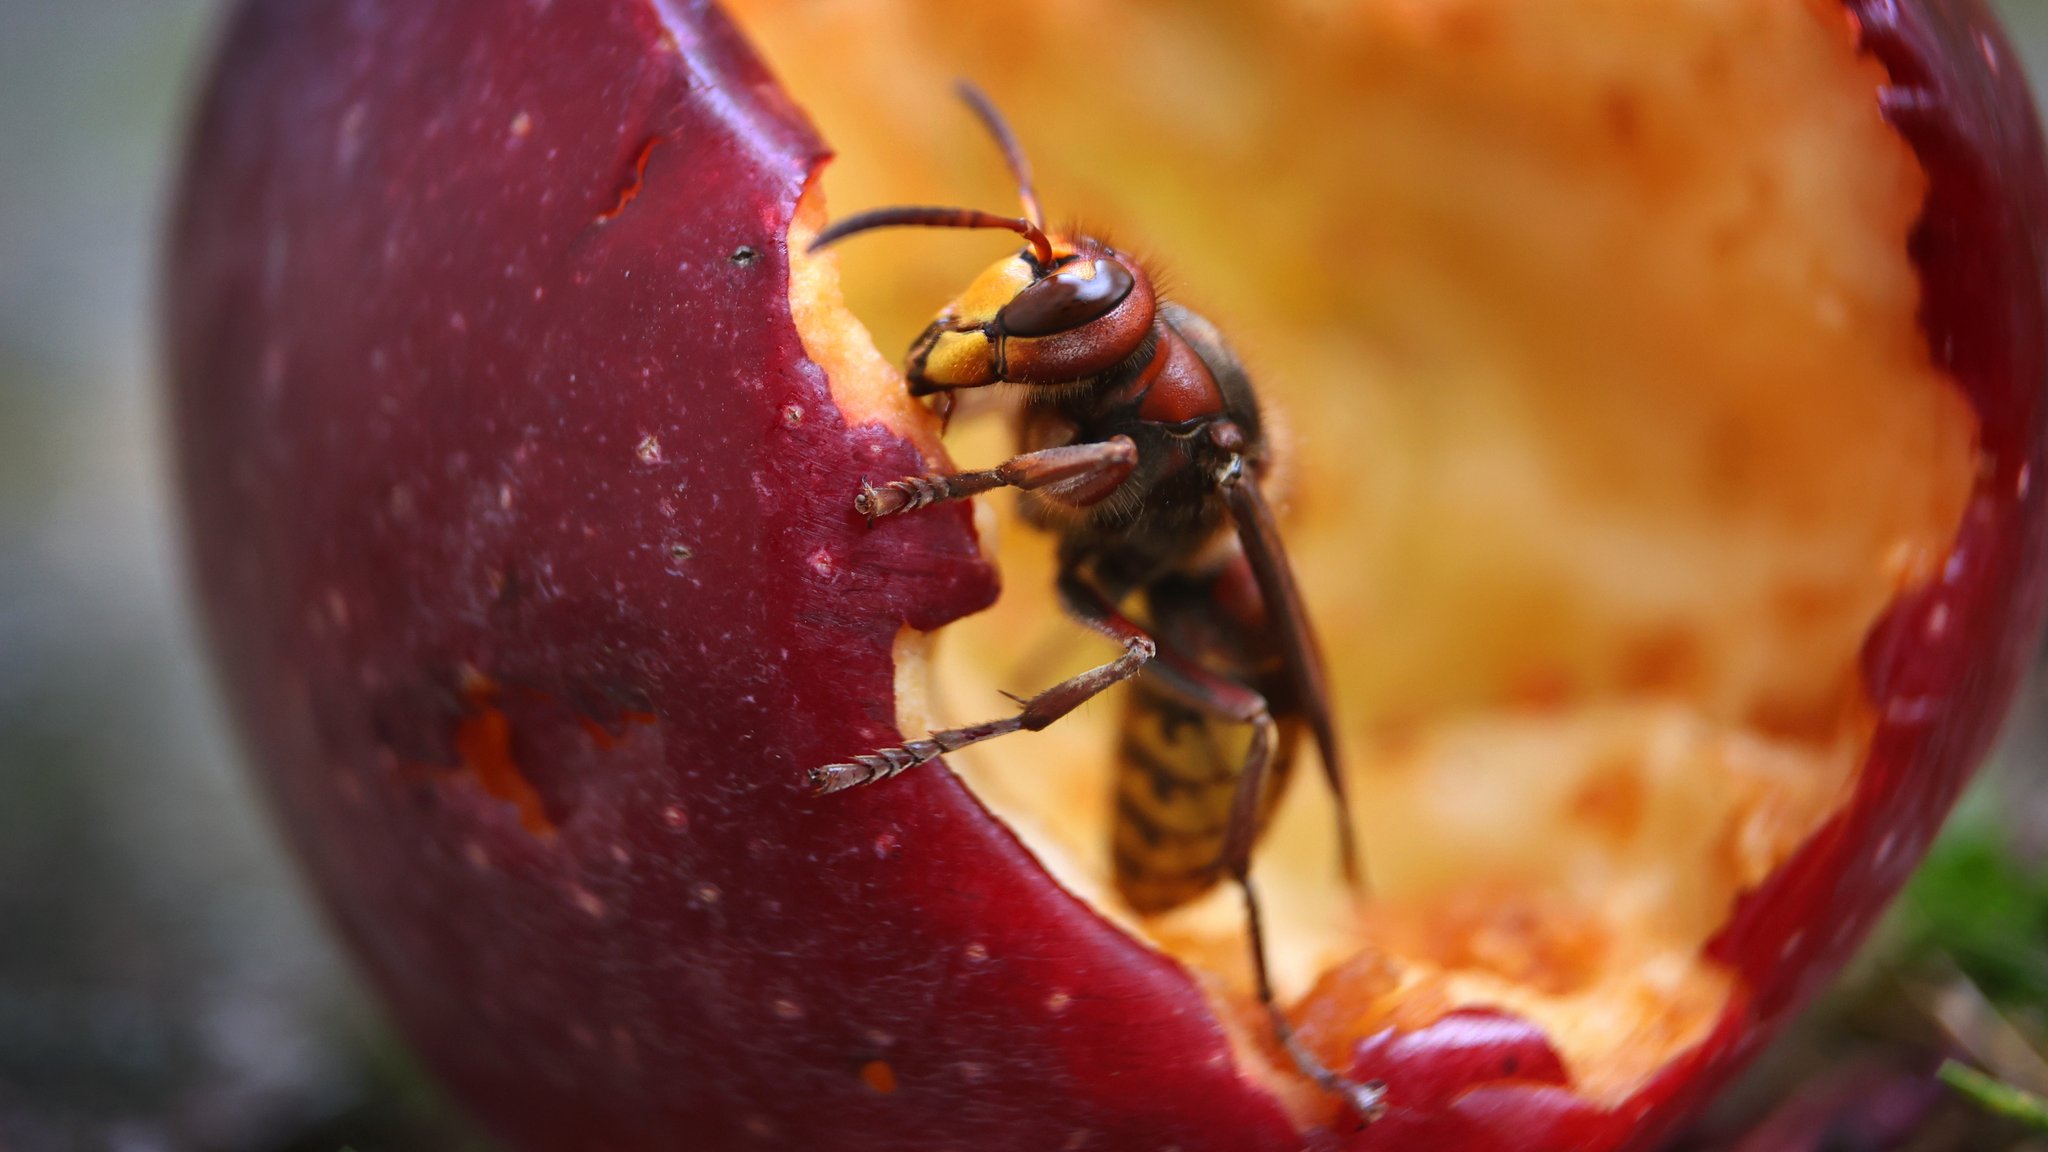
(163, 984)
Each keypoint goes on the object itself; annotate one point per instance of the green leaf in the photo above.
(1974, 903)
(1996, 1096)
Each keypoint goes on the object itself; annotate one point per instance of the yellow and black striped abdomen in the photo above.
(1177, 773)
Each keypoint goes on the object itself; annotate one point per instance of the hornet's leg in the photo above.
(1234, 702)
(1369, 1099)
(1035, 714)
(1076, 474)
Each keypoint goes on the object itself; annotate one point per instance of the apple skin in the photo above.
(522, 533)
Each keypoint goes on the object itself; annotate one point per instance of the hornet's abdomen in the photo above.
(1175, 772)
(1177, 766)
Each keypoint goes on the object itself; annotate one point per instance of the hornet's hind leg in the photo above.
(1228, 700)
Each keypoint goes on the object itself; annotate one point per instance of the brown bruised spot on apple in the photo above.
(1613, 436)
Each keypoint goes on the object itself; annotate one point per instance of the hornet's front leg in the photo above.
(1077, 474)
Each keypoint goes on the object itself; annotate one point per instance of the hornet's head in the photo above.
(1061, 310)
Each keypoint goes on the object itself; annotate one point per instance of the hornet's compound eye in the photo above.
(1065, 301)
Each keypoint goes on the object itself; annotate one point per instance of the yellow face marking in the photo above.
(966, 359)
(995, 287)
(960, 360)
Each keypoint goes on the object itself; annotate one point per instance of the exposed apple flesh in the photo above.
(1664, 386)
(1614, 435)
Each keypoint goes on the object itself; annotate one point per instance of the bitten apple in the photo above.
(1664, 385)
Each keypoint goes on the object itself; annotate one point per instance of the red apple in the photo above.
(1666, 390)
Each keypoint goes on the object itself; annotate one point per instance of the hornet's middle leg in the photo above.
(1036, 713)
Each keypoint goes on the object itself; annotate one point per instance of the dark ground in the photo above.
(163, 984)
